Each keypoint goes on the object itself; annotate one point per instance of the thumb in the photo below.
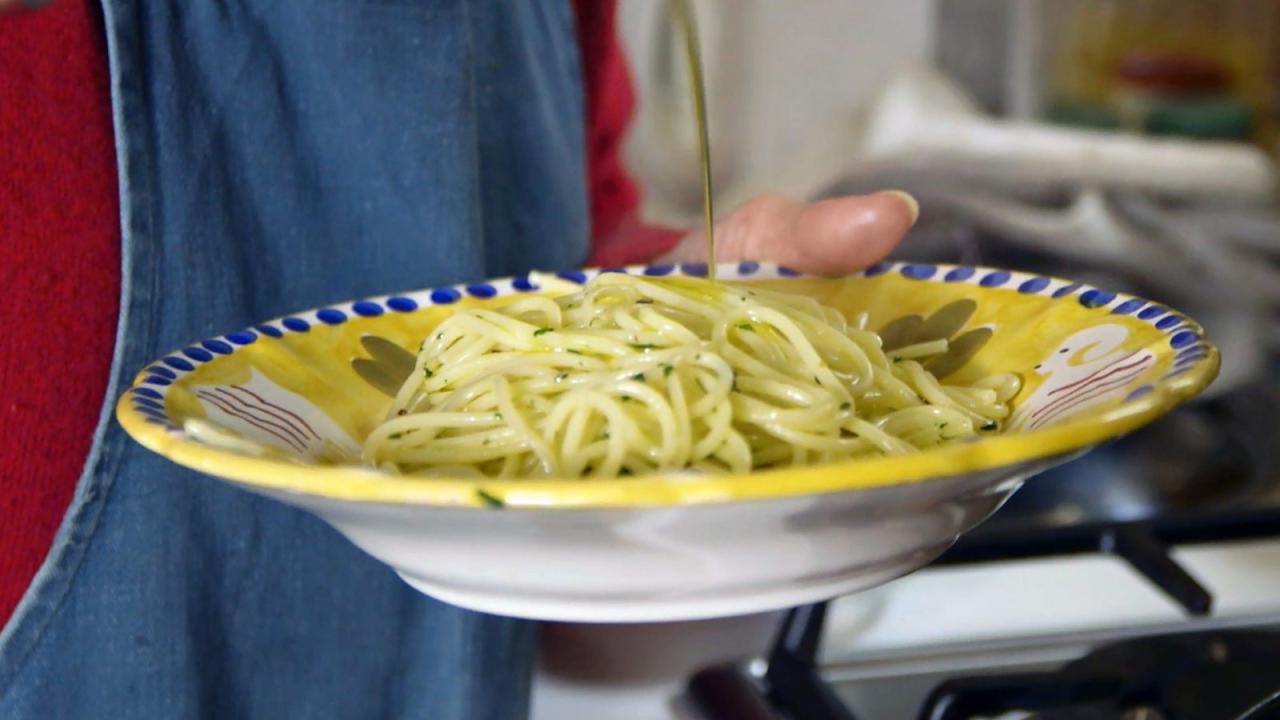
(833, 236)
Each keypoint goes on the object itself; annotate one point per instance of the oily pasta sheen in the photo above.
(637, 375)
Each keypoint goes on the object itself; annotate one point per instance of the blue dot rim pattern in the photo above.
(995, 278)
(918, 271)
(1127, 306)
(331, 316)
(444, 296)
(1095, 298)
(1034, 285)
(364, 308)
(401, 304)
(1185, 339)
(1065, 290)
(879, 268)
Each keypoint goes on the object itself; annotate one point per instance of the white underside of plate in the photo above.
(669, 563)
(726, 603)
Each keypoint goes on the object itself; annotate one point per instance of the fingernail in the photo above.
(913, 207)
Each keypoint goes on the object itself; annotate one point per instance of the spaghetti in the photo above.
(638, 375)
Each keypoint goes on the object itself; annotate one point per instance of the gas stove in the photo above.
(1193, 667)
(1192, 676)
(1140, 581)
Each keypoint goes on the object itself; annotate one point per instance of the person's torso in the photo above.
(276, 156)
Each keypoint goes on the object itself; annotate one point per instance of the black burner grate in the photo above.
(1124, 686)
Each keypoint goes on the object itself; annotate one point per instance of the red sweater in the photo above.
(60, 248)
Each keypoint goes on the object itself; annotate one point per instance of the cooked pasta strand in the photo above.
(638, 375)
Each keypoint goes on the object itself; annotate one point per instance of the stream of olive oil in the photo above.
(683, 16)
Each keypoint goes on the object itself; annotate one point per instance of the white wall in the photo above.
(774, 68)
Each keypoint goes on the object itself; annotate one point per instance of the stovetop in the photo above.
(1140, 581)
(1207, 473)
(1214, 675)
(1192, 676)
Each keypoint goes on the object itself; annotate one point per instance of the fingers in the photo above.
(839, 235)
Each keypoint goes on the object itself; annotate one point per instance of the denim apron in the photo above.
(276, 156)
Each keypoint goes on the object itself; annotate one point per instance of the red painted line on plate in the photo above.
(282, 409)
(1068, 403)
(1128, 371)
(1112, 368)
(231, 410)
(264, 415)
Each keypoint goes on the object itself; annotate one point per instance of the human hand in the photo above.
(839, 235)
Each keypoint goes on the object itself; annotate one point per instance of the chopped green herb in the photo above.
(989, 426)
(439, 335)
(846, 406)
(644, 301)
(488, 499)
(817, 379)
(643, 346)
(625, 472)
(667, 370)
(497, 416)
(560, 377)
(605, 434)
(746, 326)
(427, 371)
(541, 331)
(575, 352)
(639, 377)
(395, 436)
(486, 441)
(625, 398)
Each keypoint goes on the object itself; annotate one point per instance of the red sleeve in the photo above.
(617, 235)
(59, 266)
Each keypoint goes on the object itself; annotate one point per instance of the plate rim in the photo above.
(361, 484)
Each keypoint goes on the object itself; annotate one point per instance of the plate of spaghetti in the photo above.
(644, 443)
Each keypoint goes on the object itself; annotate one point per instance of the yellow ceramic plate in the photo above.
(282, 407)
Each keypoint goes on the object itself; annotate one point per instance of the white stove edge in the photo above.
(1040, 603)
(960, 619)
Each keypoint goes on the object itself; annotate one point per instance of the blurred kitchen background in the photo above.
(1131, 144)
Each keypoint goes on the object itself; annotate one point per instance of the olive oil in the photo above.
(683, 15)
